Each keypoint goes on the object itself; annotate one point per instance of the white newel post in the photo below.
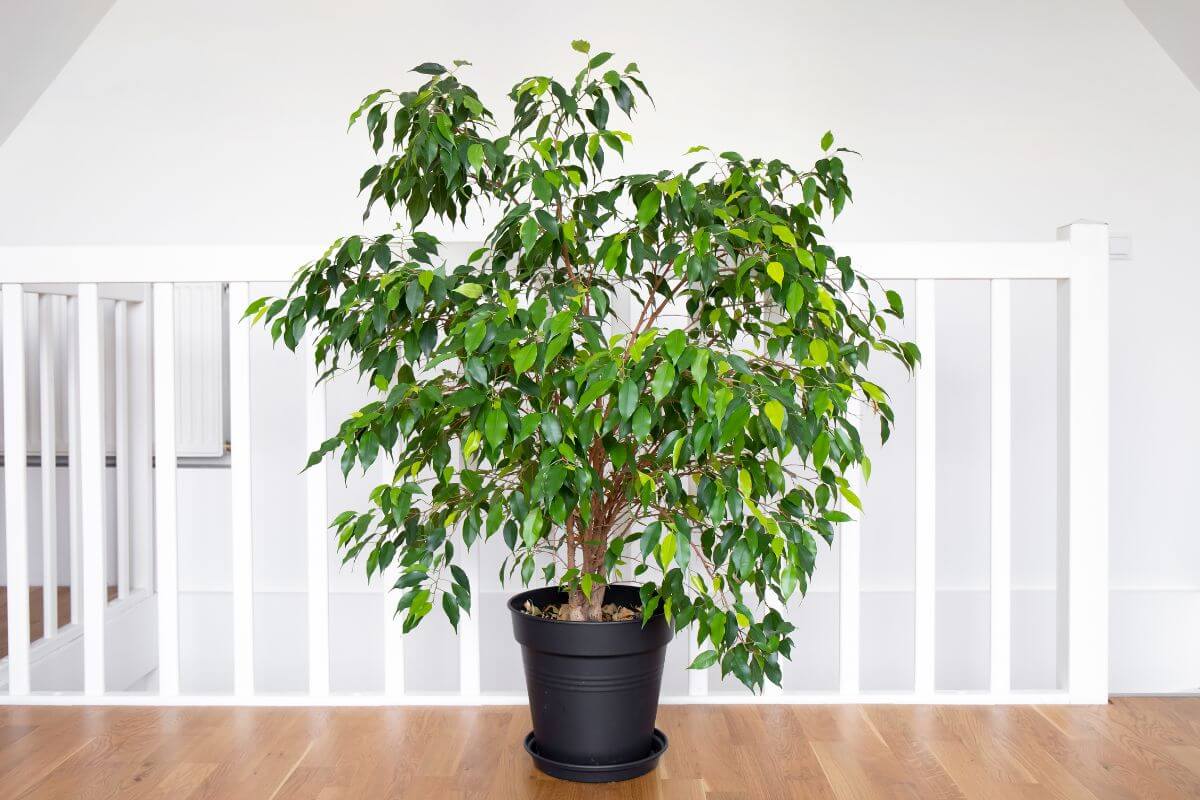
(1083, 496)
(15, 519)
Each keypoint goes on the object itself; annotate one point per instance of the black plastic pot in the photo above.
(593, 689)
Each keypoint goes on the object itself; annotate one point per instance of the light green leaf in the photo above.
(581, 46)
(706, 659)
(775, 413)
(818, 351)
(784, 233)
(666, 549)
(471, 290)
(827, 140)
(775, 270)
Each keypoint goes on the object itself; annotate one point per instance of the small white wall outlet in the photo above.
(1120, 247)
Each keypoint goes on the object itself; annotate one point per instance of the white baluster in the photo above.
(926, 490)
(47, 347)
(121, 429)
(166, 544)
(239, 463)
(317, 522)
(850, 586)
(91, 479)
(74, 484)
(1001, 487)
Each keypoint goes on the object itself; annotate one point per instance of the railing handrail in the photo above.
(263, 263)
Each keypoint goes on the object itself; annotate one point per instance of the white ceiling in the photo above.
(1175, 24)
(37, 39)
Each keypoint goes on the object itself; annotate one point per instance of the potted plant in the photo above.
(658, 469)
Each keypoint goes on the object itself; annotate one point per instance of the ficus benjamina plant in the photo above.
(650, 377)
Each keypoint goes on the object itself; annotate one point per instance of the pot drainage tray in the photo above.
(591, 773)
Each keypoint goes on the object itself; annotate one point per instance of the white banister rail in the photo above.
(77, 286)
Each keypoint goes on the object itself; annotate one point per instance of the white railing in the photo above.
(146, 505)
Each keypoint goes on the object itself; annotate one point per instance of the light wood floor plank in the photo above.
(1132, 748)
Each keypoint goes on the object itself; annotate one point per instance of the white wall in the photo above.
(211, 122)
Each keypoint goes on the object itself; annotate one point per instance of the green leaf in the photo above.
(820, 450)
(581, 46)
(818, 351)
(593, 392)
(649, 540)
(429, 68)
(495, 427)
(787, 581)
(551, 429)
(795, 298)
(641, 423)
(674, 344)
(648, 207)
(704, 660)
(529, 233)
(471, 290)
(475, 155)
(827, 140)
(664, 379)
(523, 359)
(627, 399)
(743, 559)
(450, 607)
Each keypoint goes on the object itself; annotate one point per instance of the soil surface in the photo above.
(611, 611)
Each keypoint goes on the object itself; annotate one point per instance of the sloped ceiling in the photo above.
(1176, 26)
(38, 38)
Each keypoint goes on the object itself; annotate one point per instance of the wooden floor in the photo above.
(1144, 748)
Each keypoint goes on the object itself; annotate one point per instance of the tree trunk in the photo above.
(582, 609)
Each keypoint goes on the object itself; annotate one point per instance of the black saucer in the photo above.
(589, 773)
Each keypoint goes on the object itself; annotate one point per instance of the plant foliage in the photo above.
(650, 377)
